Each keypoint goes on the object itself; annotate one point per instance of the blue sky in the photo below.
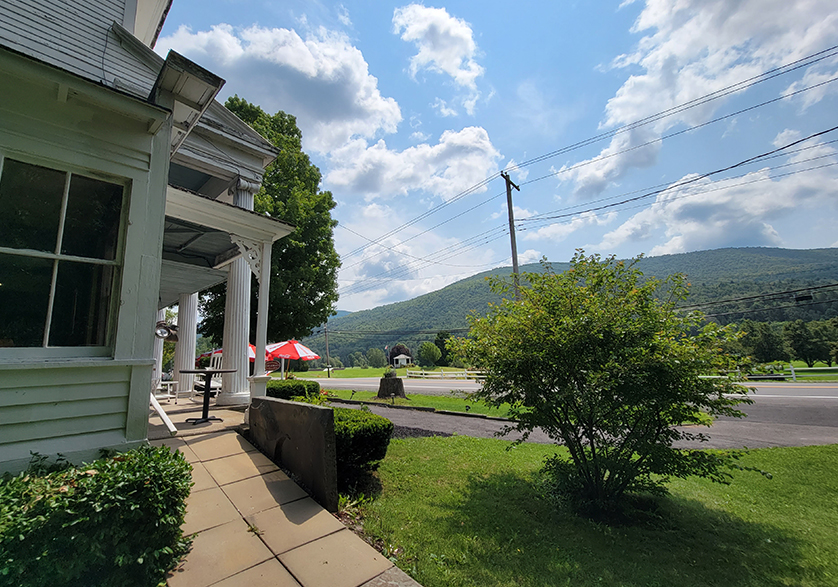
(408, 108)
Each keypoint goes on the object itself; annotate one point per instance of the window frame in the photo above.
(47, 351)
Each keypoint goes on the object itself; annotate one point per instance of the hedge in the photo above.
(361, 440)
(113, 522)
(289, 388)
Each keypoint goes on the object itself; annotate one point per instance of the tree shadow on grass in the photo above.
(502, 532)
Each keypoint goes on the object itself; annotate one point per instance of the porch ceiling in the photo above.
(196, 241)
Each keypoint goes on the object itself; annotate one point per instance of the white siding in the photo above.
(70, 403)
(75, 36)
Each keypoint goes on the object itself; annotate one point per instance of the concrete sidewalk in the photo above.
(256, 527)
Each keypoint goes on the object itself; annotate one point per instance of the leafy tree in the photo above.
(429, 354)
(591, 357)
(441, 337)
(376, 358)
(399, 349)
(804, 343)
(763, 342)
(357, 359)
(304, 264)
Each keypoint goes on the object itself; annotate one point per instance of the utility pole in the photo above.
(328, 364)
(509, 186)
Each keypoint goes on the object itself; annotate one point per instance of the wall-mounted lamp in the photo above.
(165, 331)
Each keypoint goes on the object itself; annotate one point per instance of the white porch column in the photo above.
(235, 389)
(157, 351)
(187, 324)
(258, 383)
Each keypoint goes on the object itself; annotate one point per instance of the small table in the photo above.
(208, 373)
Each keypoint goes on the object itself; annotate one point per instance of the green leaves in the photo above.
(599, 359)
(304, 264)
(116, 521)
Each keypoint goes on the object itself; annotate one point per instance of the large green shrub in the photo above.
(361, 440)
(113, 522)
(289, 388)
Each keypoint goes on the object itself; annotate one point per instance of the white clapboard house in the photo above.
(125, 187)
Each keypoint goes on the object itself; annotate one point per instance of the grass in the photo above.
(462, 511)
(439, 402)
(347, 373)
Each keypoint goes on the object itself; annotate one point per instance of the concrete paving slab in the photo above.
(239, 466)
(201, 478)
(267, 574)
(219, 553)
(216, 446)
(337, 560)
(206, 509)
(293, 524)
(392, 577)
(260, 493)
(180, 445)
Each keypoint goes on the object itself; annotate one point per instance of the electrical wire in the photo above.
(728, 90)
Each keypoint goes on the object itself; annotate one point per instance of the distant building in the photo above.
(402, 360)
(124, 188)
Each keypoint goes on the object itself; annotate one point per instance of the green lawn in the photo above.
(462, 511)
(439, 402)
(348, 373)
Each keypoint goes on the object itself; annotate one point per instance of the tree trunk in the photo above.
(391, 386)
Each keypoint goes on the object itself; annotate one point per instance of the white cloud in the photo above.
(392, 270)
(559, 231)
(693, 47)
(458, 161)
(419, 136)
(442, 108)
(445, 43)
(343, 16)
(323, 79)
(529, 256)
(735, 212)
(520, 173)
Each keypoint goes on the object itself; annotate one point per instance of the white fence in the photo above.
(443, 374)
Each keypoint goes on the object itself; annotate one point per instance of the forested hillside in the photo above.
(715, 275)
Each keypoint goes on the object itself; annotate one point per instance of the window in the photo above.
(59, 261)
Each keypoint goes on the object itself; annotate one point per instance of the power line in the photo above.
(754, 310)
(683, 183)
(669, 186)
(733, 88)
(757, 297)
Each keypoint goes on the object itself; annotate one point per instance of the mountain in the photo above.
(714, 275)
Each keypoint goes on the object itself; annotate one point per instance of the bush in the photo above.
(595, 360)
(115, 521)
(292, 388)
(361, 440)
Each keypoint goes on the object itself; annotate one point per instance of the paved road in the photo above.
(783, 414)
(420, 386)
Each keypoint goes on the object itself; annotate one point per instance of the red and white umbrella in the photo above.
(251, 353)
(290, 349)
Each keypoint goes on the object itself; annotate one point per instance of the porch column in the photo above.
(258, 383)
(187, 324)
(235, 388)
(157, 351)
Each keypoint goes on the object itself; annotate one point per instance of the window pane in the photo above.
(30, 206)
(80, 309)
(91, 227)
(24, 297)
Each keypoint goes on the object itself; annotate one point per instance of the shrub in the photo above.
(115, 521)
(361, 440)
(292, 388)
(594, 359)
